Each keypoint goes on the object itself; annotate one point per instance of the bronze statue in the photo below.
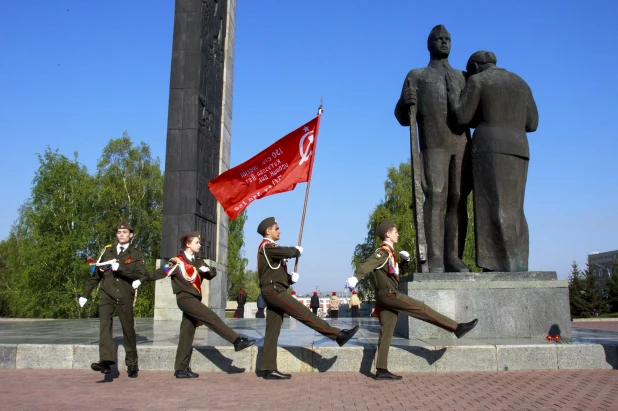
(500, 106)
(445, 170)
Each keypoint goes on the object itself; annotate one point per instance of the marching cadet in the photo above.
(119, 265)
(386, 271)
(187, 273)
(274, 282)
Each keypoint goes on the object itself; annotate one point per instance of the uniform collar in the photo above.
(125, 246)
(269, 240)
(437, 64)
(388, 243)
(187, 256)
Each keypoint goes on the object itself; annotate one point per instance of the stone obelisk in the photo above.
(198, 141)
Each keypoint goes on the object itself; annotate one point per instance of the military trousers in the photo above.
(107, 348)
(193, 313)
(278, 303)
(393, 303)
(355, 311)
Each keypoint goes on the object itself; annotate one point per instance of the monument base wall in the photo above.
(214, 293)
(508, 305)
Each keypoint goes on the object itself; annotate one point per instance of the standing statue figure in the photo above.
(500, 106)
(445, 166)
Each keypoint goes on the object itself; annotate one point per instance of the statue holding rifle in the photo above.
(441, 163)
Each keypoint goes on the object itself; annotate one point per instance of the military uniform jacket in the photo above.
(180, 285)
(272, 265)
(386, 271)
(117, 284)
(315, 301)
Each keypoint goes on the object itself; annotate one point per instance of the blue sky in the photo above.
(74, 74)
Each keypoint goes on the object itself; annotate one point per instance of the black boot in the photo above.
(132, 371)
(345, 335)
(384, 374)
(463, 328)
(101, 366)
(276, 375)
(185, 373)
(242, 342)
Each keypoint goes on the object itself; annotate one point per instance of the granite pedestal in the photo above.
(508, 305)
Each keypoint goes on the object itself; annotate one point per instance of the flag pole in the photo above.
(302, 220)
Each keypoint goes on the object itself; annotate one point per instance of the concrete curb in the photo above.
(323, 358)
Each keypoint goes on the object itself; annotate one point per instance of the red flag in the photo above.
(277, 169)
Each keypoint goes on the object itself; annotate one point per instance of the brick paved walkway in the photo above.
(153, 390)
(594, 325)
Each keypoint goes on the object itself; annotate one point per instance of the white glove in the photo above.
(204, 269)
(136, 284)
(351, 282)
(299, 248)
(115, 266)
(295, 277)
(82, 301)
(405, 255)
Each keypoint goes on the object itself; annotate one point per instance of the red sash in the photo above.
(188, 273)
(393, 269)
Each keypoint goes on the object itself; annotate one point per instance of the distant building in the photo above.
(602, 263)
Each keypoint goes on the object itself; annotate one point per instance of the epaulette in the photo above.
(108, 246)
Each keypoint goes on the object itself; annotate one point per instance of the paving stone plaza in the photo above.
(45, 365)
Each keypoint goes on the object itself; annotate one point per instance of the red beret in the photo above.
(334, 293)
(293, 292)
(315, 293)
(353, 292)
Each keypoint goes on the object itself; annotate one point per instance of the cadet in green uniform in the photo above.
(126, 264)
(386, 271)
(187, 273)
(274, 282)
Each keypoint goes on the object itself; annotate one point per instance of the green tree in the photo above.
(612, 289)
(130, 187)
(236, 261)
(251, 285)
(396, 206)
(70, 216)
(45, 255)
(576, 292)
(593, 294)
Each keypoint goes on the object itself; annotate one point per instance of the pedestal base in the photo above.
(507, 305)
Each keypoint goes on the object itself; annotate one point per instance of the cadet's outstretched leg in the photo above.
(274, 319)
(417, 309)
(388, 320)
(194, 308)
(185, 343)
(295, 309)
